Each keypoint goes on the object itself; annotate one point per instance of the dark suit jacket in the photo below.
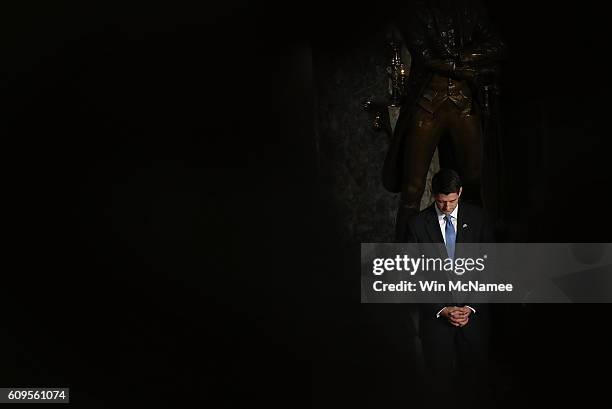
(473, 226)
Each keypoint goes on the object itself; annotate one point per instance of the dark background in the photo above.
(169, 221)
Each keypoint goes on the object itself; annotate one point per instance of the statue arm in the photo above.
(488, 46)
(420, 49)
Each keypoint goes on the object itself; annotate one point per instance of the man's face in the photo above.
(447, 203)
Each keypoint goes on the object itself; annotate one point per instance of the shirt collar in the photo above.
(441, 214)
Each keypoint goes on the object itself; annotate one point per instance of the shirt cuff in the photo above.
(438, 314)
(473, 310)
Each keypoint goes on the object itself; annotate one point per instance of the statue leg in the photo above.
(419, 146)
(466, 134)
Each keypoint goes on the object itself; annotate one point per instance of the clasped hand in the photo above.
(457, 316)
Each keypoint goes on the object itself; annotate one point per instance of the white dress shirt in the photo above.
(442, 221)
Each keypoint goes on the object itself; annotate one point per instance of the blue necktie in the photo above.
(450, 237)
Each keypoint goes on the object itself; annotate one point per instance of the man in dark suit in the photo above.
(455, 336)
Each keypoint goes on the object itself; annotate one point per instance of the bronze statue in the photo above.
(450, 93)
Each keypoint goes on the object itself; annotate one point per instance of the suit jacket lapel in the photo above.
(433, 230)
(464, 233)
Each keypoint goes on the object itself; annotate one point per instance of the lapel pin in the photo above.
(465, 225)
